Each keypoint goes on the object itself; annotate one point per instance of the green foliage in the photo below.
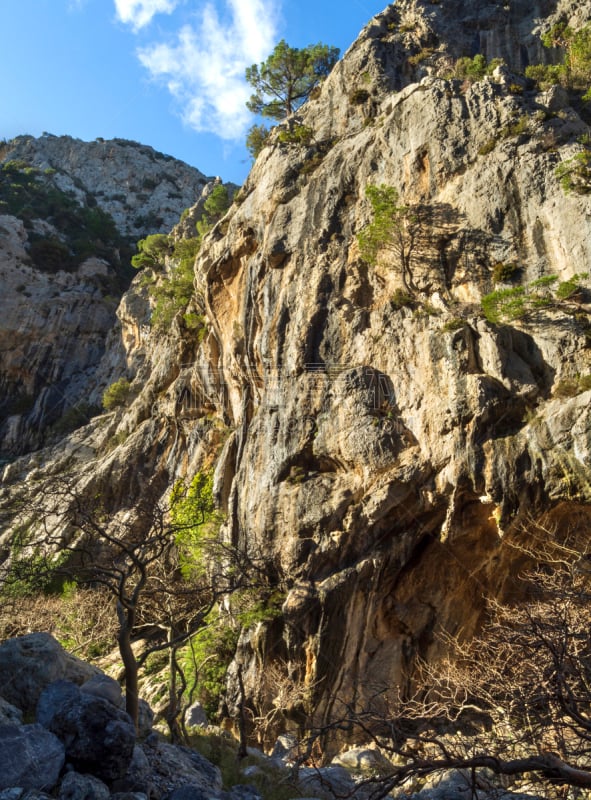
(475, 69)
(117, 394)
(401, 299)
(545, 75)
(31, 571)
(358, 96)
(504, 304)
(192, 511)
(515, 128)
(186, 251)
(82, 230)
(73, 418)
(299, 134)
(49, 254)
(575, 173)
(388, 224)
(421, 56)
(206, 659)
(256, 139)
(575, 70)
(285, 80)
(454, 324)
(151, 251)
(171, 295)
(511, 304)
(214, 208)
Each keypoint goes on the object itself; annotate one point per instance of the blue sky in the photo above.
(167, 73)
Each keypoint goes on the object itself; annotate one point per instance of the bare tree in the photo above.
(516, 700)
(136, 557)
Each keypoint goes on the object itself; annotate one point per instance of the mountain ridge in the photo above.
(378, 453)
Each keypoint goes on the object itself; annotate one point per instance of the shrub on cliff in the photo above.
(117, 394)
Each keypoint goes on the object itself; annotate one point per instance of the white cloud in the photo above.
(139, 13)
(204, 67)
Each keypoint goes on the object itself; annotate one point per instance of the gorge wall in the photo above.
(70, 215)
(378, 455)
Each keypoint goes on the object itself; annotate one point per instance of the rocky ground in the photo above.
(77, 743)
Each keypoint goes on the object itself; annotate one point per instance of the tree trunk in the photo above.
(129, 663)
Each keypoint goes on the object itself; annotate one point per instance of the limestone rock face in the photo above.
(377, 445)
(57, 319)
(143, 190)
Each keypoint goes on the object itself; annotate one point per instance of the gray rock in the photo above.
(195, 715)
(30, 757)
(187, 793)
(145, 719)
(285, 749)
(327, 782)
(82, 787)
(129, 796)
(30, 663)
(9, 714)
(137, 777)
(102, 685)
(241, 792)
(23, 794)
(98, 736)
(364, 760)
(174, 767)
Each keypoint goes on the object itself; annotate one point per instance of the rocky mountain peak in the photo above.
(142, 189)
(378, 430)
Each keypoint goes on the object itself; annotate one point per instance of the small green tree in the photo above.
(285, 80)
(394, 229)
(256, 139)
(575, 70)
(214, 208)
(151, 251)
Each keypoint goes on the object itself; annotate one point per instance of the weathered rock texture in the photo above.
(377, 456)
(55, 323)
(143, 190)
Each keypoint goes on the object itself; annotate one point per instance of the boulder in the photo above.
(187, 793)
(363, 760)
(23, 794)
(241, 792)
(328, 782)
(30, 757)
(30, 663)
(83, 787)
(145, 719)
(173, 767)
(137, 777)
(101, 685)
(99, 737)
(195, 715)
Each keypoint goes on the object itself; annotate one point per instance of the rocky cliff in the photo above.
(70, 214)
(379, 444)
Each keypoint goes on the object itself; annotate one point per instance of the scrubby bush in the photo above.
(574, 174)
(256, 139)
(299, 134)
(117, 394)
